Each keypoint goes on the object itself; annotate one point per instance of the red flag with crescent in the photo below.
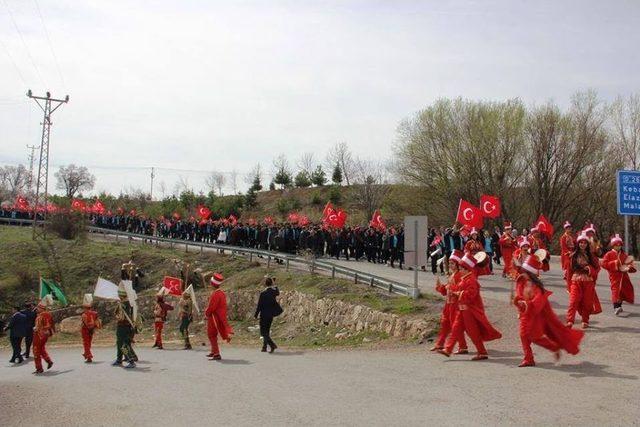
(469, 215)
(98, 207)
(303, 221)
(544, 226)
(233, 220)
(328, 210)
(173, 285)
(490, 206)
(268, 220)
(22, 203)
(204, 212)
(78, 205)
(293, 217)
(377, 222)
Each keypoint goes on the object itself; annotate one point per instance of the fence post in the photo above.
(371, 283)
(313, 265)
(201, 247)
(356, 278)
(287, 267)
(333, 272)
(268, 261)
(250, 256)
(186, 247)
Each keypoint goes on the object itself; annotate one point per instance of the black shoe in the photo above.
(117, 363)
(49, 365)
(273, 348)
(14, 360)
(264, 350)
(154, 346)
(217, 357)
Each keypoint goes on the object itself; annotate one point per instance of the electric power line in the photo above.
(13, 62)
(53, 53)
(33, 62)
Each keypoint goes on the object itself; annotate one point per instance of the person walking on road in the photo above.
(216, 314)
(267, 309)
(17, 328)
(43, 330)
(30, 312)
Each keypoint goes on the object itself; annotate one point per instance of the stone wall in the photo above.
(298, 308)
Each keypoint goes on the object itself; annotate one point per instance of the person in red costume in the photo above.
(535, 240)
(470, 318)
(43, 329)
(160, 311)
(538, 323)
(567, 246)
(619, 265)
(451, 305)
(473, 246)
(90, 322)
(583, 271)
(508, 245)
(216, 315)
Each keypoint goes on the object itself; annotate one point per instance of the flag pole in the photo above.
(39, 286)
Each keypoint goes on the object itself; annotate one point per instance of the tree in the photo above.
(370, 186)
(272, 186)
(254, 178)
(13, 181)
(341, 155)
(215, 181)
(337, 175)
(233, 177)
(303, 180)
(282, 175)
(318, 177)
(73, 179)
(307, 162)
(251, 198)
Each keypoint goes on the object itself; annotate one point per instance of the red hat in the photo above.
(523, 241)
(591, 228)
(468, 261)
(217, 279)
(507, 225)
(473, 231)
(532, 265)
(616, 240)
(582, 236)
(566, 225)
(456, 255)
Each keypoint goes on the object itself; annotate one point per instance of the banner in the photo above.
(469, 215)
(173, 285)
(106, 289)
(544, 226)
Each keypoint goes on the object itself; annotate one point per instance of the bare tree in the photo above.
(307, 163)
(340, 154)
(181, 185)
(13, 181)
(370, 185)
(255, 171)
(74, 179)
(215, 181)
(233, 179)
(163, 188)
(625, 128)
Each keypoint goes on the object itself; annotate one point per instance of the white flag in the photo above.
(127, 285)
(106, 289)
(193, 298)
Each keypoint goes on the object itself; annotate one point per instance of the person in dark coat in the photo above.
(267, 309)
(17, 326)
(30, 313)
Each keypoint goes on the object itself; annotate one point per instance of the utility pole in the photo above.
(31, 159)
(151, 192)
(48, 105)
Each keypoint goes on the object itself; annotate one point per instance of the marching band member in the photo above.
(473, 246)
(583, 272)
(90, 322)
(567, 246)
(508, 245)
(594, 242)
(160, 311)
(538, 322)
(43, 329)
(216, 315)
(535, 240)
(619, 265)
(470, 317)
(520, 254)
(451, 305)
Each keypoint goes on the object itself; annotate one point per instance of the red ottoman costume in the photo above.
(619, 265)
(450, 308)
(90, 322)
(582, 294)
(44, 328)
(216, 315)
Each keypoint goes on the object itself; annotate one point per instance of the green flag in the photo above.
(51, 287)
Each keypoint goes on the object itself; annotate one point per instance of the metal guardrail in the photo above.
(314, 265)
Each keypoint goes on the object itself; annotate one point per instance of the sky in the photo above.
(193, 86)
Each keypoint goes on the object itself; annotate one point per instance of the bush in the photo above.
(68, 226)
(335, 195)
(316, 198)
(285, 206)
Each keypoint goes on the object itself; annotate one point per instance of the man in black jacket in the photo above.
(267, 309)
(17, 326)
(30, 314)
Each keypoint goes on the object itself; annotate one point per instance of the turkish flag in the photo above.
(304, 220)
(293, 217)
(544, 226)
(490, 206)
(98, 207)
(233, 220)
(173, 285)
(78, 205)
(268, 220)
(204, 212)
(377, 221)
(337, 219)
(469, 215)
(132, 212)
(22, 203)
(328, 210)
